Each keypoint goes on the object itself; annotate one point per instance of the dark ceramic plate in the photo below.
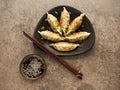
(86, 26)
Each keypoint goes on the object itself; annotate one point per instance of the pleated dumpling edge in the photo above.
(64, 46)
(51, 36)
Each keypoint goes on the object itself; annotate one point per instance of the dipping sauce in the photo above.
(33, 66)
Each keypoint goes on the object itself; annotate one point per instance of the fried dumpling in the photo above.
(77, 36)
(64, 20)
(51, 36)
(75, 24)
(64, 46)
(54, 23)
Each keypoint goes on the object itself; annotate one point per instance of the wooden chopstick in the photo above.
(57, 58)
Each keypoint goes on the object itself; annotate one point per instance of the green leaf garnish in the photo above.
(49, 42)
(60, 29)
(81, 41)
(42, 38)
(70, 33)
(70, 12)
(82, 26)
(79, 30)
(56, 12)
(46, 19)
(42, 28)
(80, 46)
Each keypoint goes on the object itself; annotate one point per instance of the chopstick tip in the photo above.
(23, 32)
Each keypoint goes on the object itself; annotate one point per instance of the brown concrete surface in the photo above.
(100, 66)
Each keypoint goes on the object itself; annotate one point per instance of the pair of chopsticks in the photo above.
(57, 58)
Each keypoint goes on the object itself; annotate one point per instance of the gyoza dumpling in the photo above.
(64, 20)
(51, 36)
(64, 46)
(75, 24)
(54, 24)
(77, 36)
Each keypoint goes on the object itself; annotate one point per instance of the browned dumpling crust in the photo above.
(64, 36)
(51, 36)
(75, 24)
(54, 23)
(64, 20)
(77, 36)
(64, 46)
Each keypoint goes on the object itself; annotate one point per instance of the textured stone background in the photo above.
(100, 66)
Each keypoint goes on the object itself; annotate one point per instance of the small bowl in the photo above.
(33, 67)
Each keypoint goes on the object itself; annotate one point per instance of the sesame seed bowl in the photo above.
(33, 67)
